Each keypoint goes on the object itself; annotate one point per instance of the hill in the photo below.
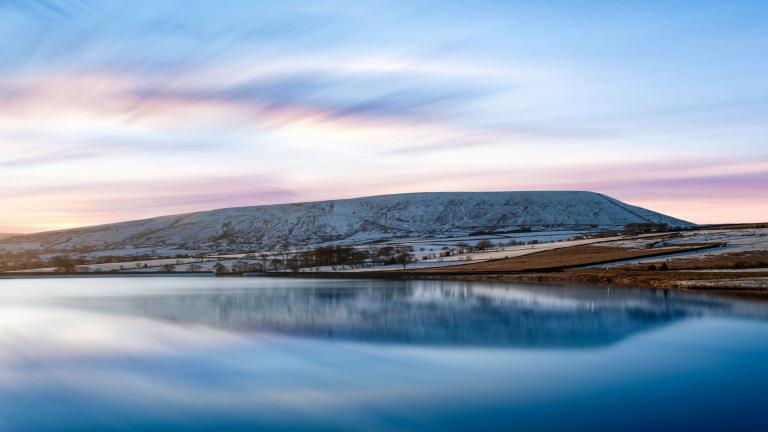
(358, 220)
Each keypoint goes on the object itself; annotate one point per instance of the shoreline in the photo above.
(730, 284)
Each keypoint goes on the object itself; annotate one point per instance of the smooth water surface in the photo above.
(181, 353)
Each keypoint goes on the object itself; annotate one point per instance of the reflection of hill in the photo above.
(423, 313)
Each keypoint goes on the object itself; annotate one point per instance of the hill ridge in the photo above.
(361, 219)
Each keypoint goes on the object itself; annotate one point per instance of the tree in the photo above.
(483, 245)
(644, 228)
(220, 268)
(241, 266)
(462, 247)
(403, 258)
(63, 263)
(168, 268)
(294, 263)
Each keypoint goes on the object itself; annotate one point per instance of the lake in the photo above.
(203, 353)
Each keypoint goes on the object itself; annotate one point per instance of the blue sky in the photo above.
(114, 110)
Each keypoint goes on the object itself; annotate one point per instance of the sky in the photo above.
(118, 110)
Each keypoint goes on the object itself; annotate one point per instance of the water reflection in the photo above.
(419, 312)
(237, 354)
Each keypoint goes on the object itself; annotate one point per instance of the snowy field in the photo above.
(738, 240)
(146, 265)
(516, 251)
(735, 241)
(426, 249)
(746, 283)
(388, 267)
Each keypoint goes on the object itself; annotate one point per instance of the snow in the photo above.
(736, 241)
(352, 221)
(413, 265)
(151, 265)
(730, 284)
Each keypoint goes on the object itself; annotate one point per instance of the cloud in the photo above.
(342, 101)
(329, 97)
(40, 7)
(402, 111)
(749, 185)
(44, 158)
(98, 201)
(32, 149)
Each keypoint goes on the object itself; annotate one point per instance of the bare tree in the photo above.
(403, 258)
(63, 263)
(483, 245)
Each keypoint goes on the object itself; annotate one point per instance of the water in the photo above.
(106, 354)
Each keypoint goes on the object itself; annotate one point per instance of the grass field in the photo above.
(740, 260)
(753, 284)
(561, 258)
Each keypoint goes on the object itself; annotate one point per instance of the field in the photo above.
(734, 261)
(725, 259)
(728, 260)
(746, 284)
(564, 257)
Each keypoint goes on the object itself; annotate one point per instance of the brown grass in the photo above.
(558, 258)
(739, 260)
(677, 280)
(736, 226)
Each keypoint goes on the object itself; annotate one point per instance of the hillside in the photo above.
(358, 220)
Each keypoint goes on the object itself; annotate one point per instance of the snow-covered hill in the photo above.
(430, 214)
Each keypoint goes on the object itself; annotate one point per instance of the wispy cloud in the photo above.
(157, 102)
(329, 97)
(40, 7)
(77, 204)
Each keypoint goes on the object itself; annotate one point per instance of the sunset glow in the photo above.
(110, 111)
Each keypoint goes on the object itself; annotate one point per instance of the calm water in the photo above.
(276, 354)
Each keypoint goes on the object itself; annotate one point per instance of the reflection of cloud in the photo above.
(61, 333)
(119, 370)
